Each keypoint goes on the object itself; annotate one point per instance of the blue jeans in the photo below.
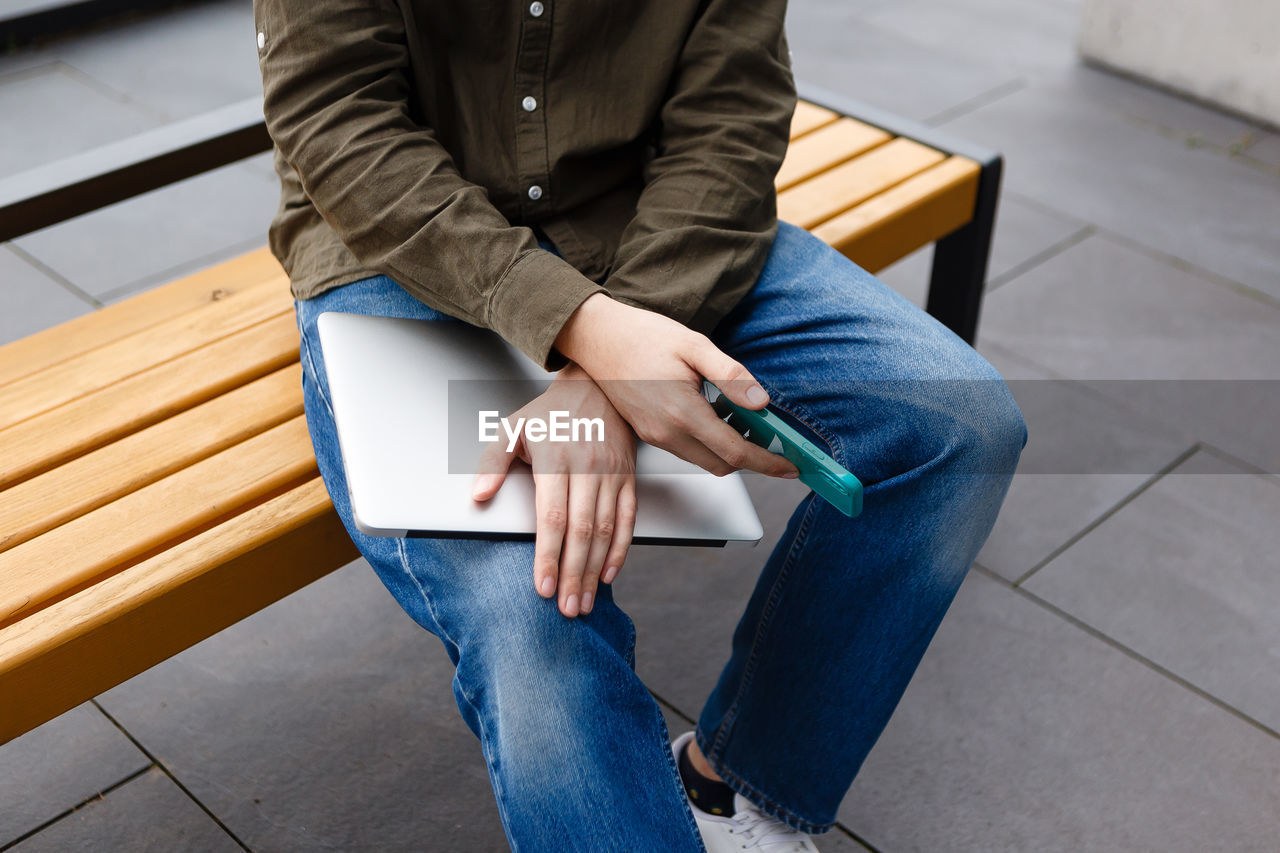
(842, 612)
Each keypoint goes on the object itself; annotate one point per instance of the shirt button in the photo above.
(535, 192)
(536, 9)
(529, 103)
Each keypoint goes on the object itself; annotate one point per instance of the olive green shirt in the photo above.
(425, 140)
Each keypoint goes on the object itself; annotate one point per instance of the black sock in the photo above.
(709, 795)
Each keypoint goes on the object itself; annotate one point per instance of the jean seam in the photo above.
(778, 400)
(833, 444)
(717, 747)
(676, 779)
(775, 593)
(444, 634)
(305, 345)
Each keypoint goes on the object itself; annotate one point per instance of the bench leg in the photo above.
(960, 261)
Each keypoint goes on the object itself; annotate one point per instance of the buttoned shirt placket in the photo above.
(533, 161)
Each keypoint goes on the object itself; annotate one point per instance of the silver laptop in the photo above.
(409, 397)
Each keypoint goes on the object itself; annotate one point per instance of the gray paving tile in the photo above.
(161, 235)
(833, 48)
(1084, 455)
(1185, 575)
(1067, 150)
(691, 598)
(51, 112)
(325, 721)
(1183, 120)
(58, 766)
(1103, 311)
(1266, 150)
(30, 300)
(149, 813)
(1021, 732)
(1025, 37)
(1023, 233)
(184, 62)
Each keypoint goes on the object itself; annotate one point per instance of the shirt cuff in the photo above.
(532, 302)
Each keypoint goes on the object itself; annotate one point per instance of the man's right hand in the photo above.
(651, 368)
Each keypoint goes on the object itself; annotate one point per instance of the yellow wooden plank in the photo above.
(828, 146)
(809, 117)
(108, 364)
(99, 637)
(91, 421)
(82, 485)
(838, 189)
(920, 210)
(43, 349)
(101, 542)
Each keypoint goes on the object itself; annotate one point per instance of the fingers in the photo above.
(734, 380)
(578, 538)
(491, 471)
(623, 528)
(601, 538)
(551, 502)
(692, 430)
(727, 444)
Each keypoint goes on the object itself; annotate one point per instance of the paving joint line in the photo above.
(33, 71)
(109, 91)
(92, 798)
(1076, 622)
(58, 278)
(1041, 257)
(160, 765)
(1173, 260)
(1123, 502)
(193, 265)
(1236, 150)
(977, 102)
(1228, 456)
(1154, 254)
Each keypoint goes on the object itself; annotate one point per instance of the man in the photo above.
(594, 182)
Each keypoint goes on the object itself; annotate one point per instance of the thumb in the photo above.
(733, 380)
(492, 469)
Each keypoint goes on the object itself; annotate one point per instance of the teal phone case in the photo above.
(818, 471)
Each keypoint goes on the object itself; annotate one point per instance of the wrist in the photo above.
(576, 339)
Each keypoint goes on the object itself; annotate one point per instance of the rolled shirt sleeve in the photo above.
(707, 215)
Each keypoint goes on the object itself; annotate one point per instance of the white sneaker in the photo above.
(747, 828)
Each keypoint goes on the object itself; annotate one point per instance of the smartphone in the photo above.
(818, 471)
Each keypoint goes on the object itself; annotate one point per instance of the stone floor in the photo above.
(1109, 676)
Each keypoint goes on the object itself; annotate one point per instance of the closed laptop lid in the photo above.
(402, 389)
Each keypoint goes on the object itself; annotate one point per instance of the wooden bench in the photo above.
(157, 483)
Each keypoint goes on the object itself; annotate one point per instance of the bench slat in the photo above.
(828, 146)
(835, 191)
(922, 208)
(82, 485)
(101, 542)
(44, 349)
(36, 445)
(114, 361)
(115, 629)
(809, 117)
